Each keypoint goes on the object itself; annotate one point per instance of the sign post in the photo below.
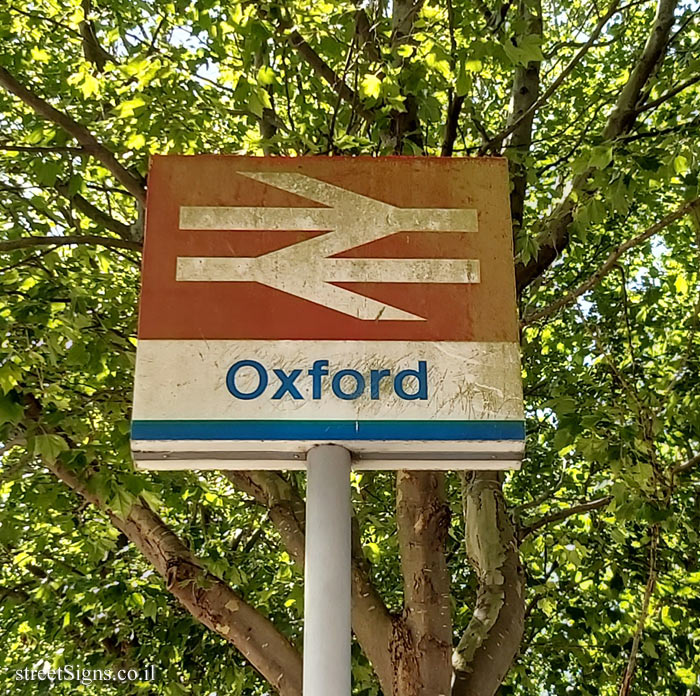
(327, 592)
(321, 314)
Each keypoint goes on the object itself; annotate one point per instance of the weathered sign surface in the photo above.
(365, 302)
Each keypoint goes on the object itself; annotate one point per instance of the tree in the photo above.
(577, 574)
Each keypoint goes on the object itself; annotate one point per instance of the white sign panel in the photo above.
(365, 302)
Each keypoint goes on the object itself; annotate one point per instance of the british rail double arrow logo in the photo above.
(309, 268)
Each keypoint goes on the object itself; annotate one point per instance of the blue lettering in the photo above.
(287, 384)
(375, 377)
(231, 379)
(421, 374)
(318, 370)
(359, 384)
(409, 384)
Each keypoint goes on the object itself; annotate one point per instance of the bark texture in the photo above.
(554, 236)
(526, 85)
(492, 639)
(422, 640)
(204, 595)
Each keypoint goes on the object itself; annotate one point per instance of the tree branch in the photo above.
(92, 49)
(371, 621)
(63, 240)
(526, 85)
(491, 641)
(323, 70)
(610, 263)
(366, 36)
(686, 466)
(204, 595)
(495, 142)
(669, 95)
(31, 148)
(48, 20)
(625, 111)
(99, 216)
(266, 120)
(154, 38)
(555, 236)
(454, 111)
(518, 511)
(405, 124)
(455, 102)
(626, 685)
(494, 20)
(423, 651)
(131, 182)
(404, 14)
(561, 515)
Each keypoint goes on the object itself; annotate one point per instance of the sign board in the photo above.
(364, 302)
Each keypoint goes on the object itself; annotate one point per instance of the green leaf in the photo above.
(127, 108)
(531, 48)
(601, 156)
(255, 105)
(649, 648)
(135, 141)
(464, 81)
(121, 502)
(371, 86)
(49, 446)
(90, 85)
(473, 65)
(39, 55)
(10, 410)
(47, 172)
(688, 676)
(266, 75)
(75, 184)
(680, 164)
(150, 609)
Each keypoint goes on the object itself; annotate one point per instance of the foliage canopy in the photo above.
(578, 574)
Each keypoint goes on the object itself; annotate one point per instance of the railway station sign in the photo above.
(363, 302)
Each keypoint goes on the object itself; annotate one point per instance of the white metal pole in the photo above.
(327, 600)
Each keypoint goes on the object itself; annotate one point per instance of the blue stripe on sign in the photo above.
(324, 430)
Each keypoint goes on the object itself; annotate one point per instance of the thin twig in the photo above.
(648, 592)
(334, 118)
(518, 510)
(30, 242)
(561, 515)
(94, 213)
(40, 149)
(131, 182)
(609, 264)
(321, 68)
(686, 466)
(154, 38)
(669, 95)
(44, 18)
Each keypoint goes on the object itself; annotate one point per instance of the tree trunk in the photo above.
(422, 638)
(492, 639)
